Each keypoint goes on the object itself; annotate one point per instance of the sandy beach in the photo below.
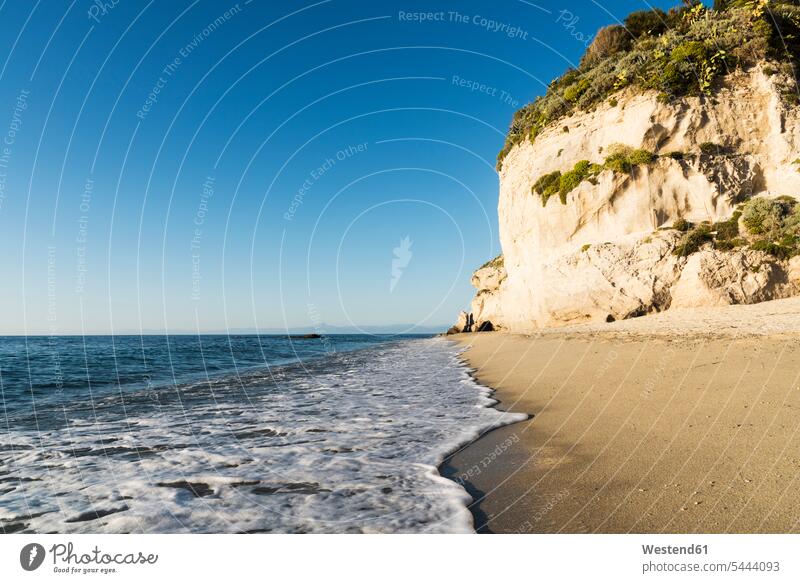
(687, 421)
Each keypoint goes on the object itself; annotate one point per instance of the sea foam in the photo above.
(345, 443)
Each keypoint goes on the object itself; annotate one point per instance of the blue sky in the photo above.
(199, 165)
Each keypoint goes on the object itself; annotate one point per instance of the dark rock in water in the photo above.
(251, 433)
(244, 483)
(19, 479)
(13, 527)
(291, 488)
(304, 336)
(264, 490)
(198, 489)
(14, 447)
(95, 514)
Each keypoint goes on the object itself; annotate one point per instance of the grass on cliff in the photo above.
(622, 159)
(678, 53)
(770, 225)
(496, 263)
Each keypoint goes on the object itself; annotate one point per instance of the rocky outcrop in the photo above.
(713, 278)
(607, 253)
(487, 308)
(610, 281)
(463, 323)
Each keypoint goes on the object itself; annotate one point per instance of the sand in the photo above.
(688, 421)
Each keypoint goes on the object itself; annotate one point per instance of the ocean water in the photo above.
(234, 434)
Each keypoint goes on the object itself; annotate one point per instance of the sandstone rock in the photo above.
(793, 270)
(712, 278)
(489, 277)
(487, 305)
(610, 281)
(463, 323)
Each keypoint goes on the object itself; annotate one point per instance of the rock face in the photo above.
(487, 307)
(712, 278)
(463, 324)
(607, 254)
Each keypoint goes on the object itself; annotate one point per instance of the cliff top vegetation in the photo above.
(685, 51)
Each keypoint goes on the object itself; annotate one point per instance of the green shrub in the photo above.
(775, 249)
(574, 92)
(688, 69)
(773, 225)
(689, 51)
(646, 22)
(762, 216)
(639, 157)
(585, 248)
(623, 158)
(618, 158)
(618, 163)
(594, 170)
(676, 155)
(693, 240)
(569, 182)
(607, 42)
(583, 170)
(562, 184)
(682, 225)
(547, 185)
(727, 230)
(729, 244)
(725, 4)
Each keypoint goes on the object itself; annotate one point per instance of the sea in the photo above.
(235, 434)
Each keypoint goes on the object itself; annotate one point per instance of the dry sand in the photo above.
(688, 421)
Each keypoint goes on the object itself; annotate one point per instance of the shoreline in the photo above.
(639, 432)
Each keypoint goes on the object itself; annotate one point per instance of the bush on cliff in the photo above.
(728, 230)
(646, 22)
(562, 184)
(621, 159)
(547, 185)
(607, 42)
(495, 263)
(686, 56)
(569, 181)
(693, 240)
(772, 226)
(682, 225)
(762, 216)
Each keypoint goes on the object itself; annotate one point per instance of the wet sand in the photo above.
(683, 422)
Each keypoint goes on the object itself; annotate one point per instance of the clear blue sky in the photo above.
(215, 165)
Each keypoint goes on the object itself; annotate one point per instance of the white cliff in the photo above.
(607, 254)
